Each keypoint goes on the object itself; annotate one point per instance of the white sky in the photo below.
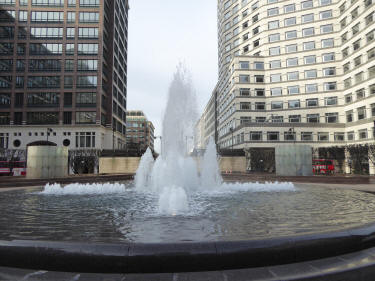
(161, 34)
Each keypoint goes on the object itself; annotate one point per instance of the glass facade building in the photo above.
(63, 65)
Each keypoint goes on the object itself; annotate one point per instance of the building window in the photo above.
(43, 99)
(293, 75)
(275, 78)
(312, 102)
(306, 136)
(325, 14)
(294, 104)
(276, 91)
(272, 136)
(328, 57)
(245, 106)
(323, 137)
(275, 64)
(88, 32)
(274, 37)
(309, 45)
(329, 101)
(307, 18)
(310, 73)
(291, 34)
(289, 8)
(311, 88)
(362, 134)
(291, 48)
(244, 78)
(85, 139)
(329, 86)
(273, 24)
(294, 118)
(329, 71)
(349, 116)
(293, 90)
(274, 51)
(244, 92)
(361, 111)
(276, 105)
(259, 92)
(326, 28)
(312, 118)
(310, 59)
(289, 136)
(307, 4)
(244, 65)
(308, 32)
(259, 78)
(273, 12)
(42, 118)
(255, 136)
(360, 93)
(85, 117)
(327, 43)
(87, 81)
(332, 117)
(260, 106)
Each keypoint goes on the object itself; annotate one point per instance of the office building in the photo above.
(63, 66)
(295, 72)
(139, 131)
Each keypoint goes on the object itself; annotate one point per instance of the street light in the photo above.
(49, 130)
(231, 130)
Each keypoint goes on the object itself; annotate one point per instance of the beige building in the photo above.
(139, 131)
(295, 71)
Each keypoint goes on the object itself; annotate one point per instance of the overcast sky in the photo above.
(161, 34)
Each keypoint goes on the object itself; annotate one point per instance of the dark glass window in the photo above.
(87, 81)
(45, 65)
(4, 100)
(6, 49)
(6, 65)
(17, 118)
(7, 32)
(4, 118)
(42, 118)
(19, 100)
(67, 117)
(68, 100)
(43, 99)
(5, 82)
(86, 99)
(87, 65)
(43, 82)
(45, 49)
(85, 117)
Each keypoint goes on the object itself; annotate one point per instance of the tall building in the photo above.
(63, 73)
(295, 72)
(139, 131)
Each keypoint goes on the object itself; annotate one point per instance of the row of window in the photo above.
(57, 32)
(49, 82)
(48, 65)
(54, 3)
(292, 136)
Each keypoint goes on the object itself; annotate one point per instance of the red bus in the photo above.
(12, 168)
(323, 166)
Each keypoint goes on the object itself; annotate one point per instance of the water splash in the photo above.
(210, 172)
(143, 174)
(83, 189)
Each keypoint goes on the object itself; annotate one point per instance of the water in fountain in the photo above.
(173, 178)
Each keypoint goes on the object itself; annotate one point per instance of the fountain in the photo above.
(176, 217)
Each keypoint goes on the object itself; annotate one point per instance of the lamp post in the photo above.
(231, 130)
(49, 130)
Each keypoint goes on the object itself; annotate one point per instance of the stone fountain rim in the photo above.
(182, 256)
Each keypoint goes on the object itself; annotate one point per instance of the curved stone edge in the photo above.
(182, 257)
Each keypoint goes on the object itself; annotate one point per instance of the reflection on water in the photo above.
(134, 216)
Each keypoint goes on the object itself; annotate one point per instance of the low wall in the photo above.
(118, 165)
(46, 162)
(233, 164)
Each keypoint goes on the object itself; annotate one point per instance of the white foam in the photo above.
(173, 200)
(83, 189)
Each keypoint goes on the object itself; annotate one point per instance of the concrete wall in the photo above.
(118, 165)
(47, 162)
(234, 164)
(293, 160)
